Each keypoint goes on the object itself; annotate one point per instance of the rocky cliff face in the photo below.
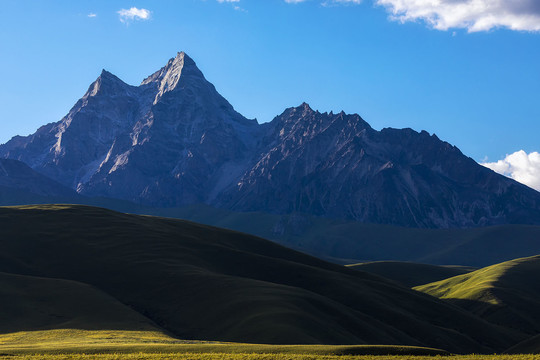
(170, 141)
(336, 165)
(174, 140)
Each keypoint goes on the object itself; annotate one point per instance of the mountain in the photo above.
(199, 282)
(174, 141)
(336, 165)
(169, 141)
(506, 294)
(20, 184)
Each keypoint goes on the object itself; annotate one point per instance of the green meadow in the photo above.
(225, 356)
(119, 286)
(112, 345)
(83, 344)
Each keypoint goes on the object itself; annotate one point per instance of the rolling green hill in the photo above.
(37, 303)
(349, 242)
(411, 274)
(204, 283)
(506, 294)
(340, 241)
(529, 346)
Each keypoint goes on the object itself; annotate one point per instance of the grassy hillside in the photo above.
(349, 242)
(200, 282)
(251, 356)
(64, 350)
(29, 302)
(339, 241)
(529, 346)
(75, 342)
(255, 356)
(507, 294)
(411, 274)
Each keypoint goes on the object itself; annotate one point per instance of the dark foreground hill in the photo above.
(507, 294)
(37, 303)
(200, 282)
(529, 346)
(335, 240)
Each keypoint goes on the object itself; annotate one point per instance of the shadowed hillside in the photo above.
(200, 282)
(37, 303)
(338, 241)
(19, 184)
(410, 274)
(529, 346)
(348, 242)
(506, 294)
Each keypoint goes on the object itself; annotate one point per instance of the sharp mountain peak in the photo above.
(174, 140)
(107, 76)
(169, 77)
(106, 84)
(164, 80)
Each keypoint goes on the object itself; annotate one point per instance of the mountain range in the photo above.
(324, 183)
(174, 141)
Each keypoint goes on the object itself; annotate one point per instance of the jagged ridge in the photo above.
(174, 140)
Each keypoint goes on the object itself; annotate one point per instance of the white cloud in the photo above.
(128, 15)
(92, 15)
(519, 166)
(473, 15)
(235, 7)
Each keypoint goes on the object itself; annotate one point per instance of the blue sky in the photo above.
(468, 73)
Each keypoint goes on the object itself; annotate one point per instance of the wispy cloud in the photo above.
(235, 7)
(128, 15)
(473, 15)
(519, 166)
(92, 15)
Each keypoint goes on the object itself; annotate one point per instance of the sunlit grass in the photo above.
(247, 356)
(108, 344)
(477, 285)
